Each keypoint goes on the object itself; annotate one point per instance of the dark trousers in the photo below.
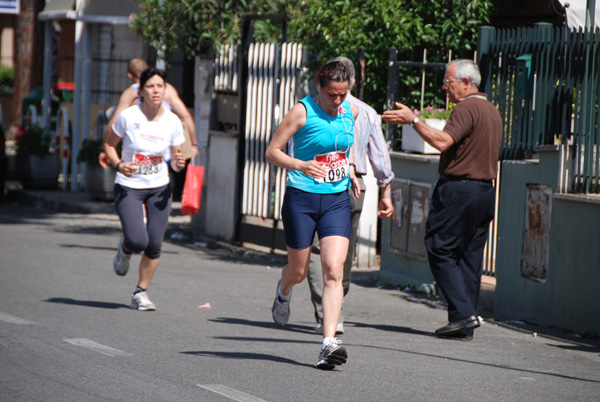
(138, 235)
(457, 229)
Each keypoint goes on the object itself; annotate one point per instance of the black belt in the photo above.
(447, 177)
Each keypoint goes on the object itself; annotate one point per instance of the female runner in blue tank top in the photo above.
(316, 197)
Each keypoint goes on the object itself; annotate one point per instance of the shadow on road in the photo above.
(87, 303)
(306, 329)
(388, 328)
(247, 356)
(114, 249)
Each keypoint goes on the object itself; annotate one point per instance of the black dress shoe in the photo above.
(457, 326)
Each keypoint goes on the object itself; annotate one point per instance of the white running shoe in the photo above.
(332, 355)
(281, 309)
(140, 301)
(121, 261)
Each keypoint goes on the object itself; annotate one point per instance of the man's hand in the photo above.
(401, 115)
(385, 208)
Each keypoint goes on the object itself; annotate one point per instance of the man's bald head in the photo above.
(135, 68)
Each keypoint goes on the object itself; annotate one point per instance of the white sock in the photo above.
(282, 297)
(327, 340)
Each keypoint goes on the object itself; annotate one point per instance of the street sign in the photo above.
(9, 6)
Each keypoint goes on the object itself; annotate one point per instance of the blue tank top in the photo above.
(321, 134)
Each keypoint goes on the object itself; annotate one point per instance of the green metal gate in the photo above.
(545, 82)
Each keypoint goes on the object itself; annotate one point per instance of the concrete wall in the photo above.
(570, 295)
(397, 269)
(366, 237)
(221, 185)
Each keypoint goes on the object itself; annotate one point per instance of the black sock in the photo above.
(138, 290)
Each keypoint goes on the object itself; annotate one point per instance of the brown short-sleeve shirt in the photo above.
(476, 127)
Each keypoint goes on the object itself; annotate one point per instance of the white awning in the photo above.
(577, 13)
(113, 12)
(58, 10)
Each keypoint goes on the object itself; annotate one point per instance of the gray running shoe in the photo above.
(140, 301)
(281, 309)
(332, 355)
(339, 330)
(121, 261)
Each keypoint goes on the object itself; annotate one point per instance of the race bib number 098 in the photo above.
(336, 164)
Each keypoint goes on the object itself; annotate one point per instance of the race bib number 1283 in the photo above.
(149, 164)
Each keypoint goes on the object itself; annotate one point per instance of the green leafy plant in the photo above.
(7, 78)
(89, 151)
(199, 26)
(33, 139)
(329, 29)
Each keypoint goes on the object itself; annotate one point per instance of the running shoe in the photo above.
(140, 301)
(121, 261)
(332, 355)
(281, 308)
(339, 330)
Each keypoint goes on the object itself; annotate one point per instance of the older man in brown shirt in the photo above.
(463, 200)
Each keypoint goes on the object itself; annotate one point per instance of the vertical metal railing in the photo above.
(290, 65)
(271, 91)
(545, 82)
(226, 69)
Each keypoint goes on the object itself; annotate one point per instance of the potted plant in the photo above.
(100, 181)
(38, 163)
(436, 118)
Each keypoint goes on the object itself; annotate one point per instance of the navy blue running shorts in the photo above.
(304, 213)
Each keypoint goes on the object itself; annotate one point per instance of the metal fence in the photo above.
(270, 92)
(273, 72)
(545, 81)
(226, 69)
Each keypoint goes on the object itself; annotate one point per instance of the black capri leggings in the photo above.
(138, 236)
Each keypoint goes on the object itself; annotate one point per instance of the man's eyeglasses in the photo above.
(447, 81)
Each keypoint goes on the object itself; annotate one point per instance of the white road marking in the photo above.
(14, 320)
(231, 393)
(96, 347)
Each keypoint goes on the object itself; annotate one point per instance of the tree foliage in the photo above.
(328, 29)
(196, 26)
(342, 27)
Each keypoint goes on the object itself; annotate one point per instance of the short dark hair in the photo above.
(151, 72)
(333, 71)
(348, 63)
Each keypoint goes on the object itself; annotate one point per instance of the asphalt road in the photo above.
(67, 333)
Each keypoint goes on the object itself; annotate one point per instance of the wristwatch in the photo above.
(414, 122)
